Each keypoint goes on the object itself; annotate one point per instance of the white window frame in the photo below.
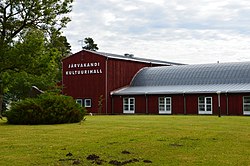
(205, 105)
(128, 105)
(247, 112)
(79, 101)
(87, 103)
(165, 105)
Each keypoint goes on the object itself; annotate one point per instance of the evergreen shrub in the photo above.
(45, 109)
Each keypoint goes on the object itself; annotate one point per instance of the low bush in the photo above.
(45, 109)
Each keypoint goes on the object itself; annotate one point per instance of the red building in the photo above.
(214, 89)
(124, 84)
(89, 77)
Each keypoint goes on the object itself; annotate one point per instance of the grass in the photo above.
(135, 140)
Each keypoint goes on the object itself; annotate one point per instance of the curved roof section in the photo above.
(190, 79)
(206, 74)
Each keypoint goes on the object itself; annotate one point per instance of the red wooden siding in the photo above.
(84, 86)
(192, 104)
(140, 105)
(153, 104)
(150, 104)
(235, 103)
(117, 105)
(234, 106)
(116, 73)
(177, 104)
(223, 103)
(120, 74)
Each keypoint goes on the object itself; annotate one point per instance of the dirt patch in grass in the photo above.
(175, 145)
(112, 143)
(147, 161)
(66, 159)
(116, 162)
(95, 159)
(69, 154)
(92, 157)
(125, 152)
(76, 162)
(189, 138)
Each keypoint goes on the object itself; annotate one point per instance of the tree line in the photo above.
(32, 46)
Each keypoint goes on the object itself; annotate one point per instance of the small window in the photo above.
(129, 105)
(164, 105)
(246, 105)
(205, 105)
(79, 101)
(87, 103)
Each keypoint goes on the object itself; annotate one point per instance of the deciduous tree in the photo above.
(41, 66)
(16, 18)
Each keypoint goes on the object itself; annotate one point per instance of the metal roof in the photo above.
(131, 57)
(205, 78)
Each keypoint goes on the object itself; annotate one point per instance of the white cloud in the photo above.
(189, 31)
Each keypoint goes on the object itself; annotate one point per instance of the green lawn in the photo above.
(133, 140)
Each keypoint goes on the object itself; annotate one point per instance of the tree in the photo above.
(58, 41)
(41, 70)
(20, 14)
(90, 45)
(16, 18)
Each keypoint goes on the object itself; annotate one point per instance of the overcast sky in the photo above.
(184, 31)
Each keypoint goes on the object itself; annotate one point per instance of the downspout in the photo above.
(146, 97)
(227, 102)
(62, 77)
(112, 104)
(106, 85)
(219, 103)
(184, 103)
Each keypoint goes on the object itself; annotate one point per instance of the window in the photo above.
(205, 105)
(164, 105)
(129, 105)
(79, 101)
(246, 105)
(87, 102)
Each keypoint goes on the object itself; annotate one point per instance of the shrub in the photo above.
(45, 109)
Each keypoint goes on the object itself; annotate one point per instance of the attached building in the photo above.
(222, 88)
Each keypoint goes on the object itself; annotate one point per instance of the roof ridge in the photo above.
(133, 58)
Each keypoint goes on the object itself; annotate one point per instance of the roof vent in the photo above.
(129, 55)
